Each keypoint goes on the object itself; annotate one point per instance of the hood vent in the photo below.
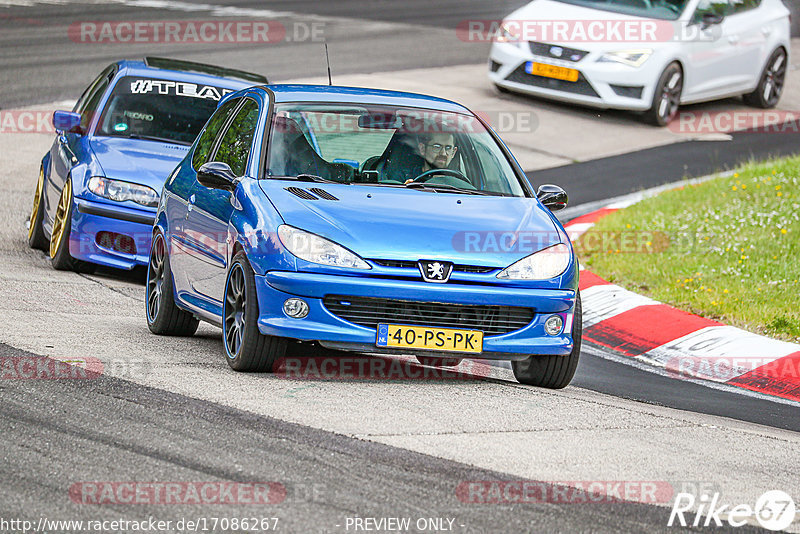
(323, 194)
(302, 193)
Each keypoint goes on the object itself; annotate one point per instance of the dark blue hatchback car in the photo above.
(99, 185)
(363, 220)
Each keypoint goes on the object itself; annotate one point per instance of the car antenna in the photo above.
(328, 61)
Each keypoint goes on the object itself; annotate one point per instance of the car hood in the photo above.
(138, 161)
(551, 10)
(402, 224)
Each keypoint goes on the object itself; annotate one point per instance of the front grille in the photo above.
(406, 264)
(547, 50)
(580, 87)
(369, 312)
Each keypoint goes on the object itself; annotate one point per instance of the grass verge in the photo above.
(727, 249)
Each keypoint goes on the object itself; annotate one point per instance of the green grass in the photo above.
(727, 249)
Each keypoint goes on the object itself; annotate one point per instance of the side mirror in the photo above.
(67, 121)
(710, 19)
(217, 175)
(552, 197)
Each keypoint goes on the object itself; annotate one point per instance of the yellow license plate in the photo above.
(552, 71)
(421, 337)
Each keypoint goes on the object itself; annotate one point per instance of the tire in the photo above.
(59, 238)
(553, 372)
(164, 318)
(246, 348)
(770, 85)
(438, 362)
(36, 237)
(667, 96)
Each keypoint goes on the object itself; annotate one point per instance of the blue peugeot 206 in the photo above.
(363, 220)
(98, 186)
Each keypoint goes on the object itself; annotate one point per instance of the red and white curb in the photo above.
(686, 345)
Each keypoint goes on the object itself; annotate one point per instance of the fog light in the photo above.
(296, 308)
(553, 325)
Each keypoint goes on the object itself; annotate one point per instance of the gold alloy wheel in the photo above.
(60, 221)
(36, 201)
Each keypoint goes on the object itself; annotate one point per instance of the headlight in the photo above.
(542, 265)
(633, 58)
(507, 33)
(316, 249)
(121, 191)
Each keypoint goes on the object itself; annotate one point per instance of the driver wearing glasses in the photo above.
(437, 150)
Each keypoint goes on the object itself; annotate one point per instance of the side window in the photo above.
(87, 104)
(235, 146)
(739, 6)
(205, 143)
(715, 7)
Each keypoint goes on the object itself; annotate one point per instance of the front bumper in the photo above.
(92, 218)
(599, 85)
(327, 328)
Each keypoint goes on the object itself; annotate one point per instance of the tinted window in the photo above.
(655, 9)
(235, 146)
(87, 106)
(106, 75)
(206, 141)
(738, 6)
(715, 7)
(160, 110)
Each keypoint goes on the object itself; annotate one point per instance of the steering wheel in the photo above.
(427, 175)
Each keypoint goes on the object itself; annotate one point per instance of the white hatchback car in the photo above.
(644, 55)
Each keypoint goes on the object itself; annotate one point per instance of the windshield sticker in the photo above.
(121, 127)
(164, 87)
(138, 116)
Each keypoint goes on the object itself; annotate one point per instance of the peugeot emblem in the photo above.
(435, 271)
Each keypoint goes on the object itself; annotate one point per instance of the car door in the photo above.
(721, 58)
(183, 186)
(210, 210)
(68, 148)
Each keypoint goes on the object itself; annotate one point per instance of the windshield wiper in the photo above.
(304, 177)
(154, 138)
(446, 188)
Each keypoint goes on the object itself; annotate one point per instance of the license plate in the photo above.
(551, 71)
(421, 337)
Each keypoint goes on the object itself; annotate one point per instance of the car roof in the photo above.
(191, 72)
(339, 94)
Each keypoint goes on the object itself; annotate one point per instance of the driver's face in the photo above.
(438, 152)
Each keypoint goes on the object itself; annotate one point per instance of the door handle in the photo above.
(766, 30)
(190, 205)
(733, 39)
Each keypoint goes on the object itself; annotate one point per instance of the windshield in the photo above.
(426, 150)
(654, 9)
(160, 110)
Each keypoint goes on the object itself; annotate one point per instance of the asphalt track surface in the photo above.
(57, 432)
